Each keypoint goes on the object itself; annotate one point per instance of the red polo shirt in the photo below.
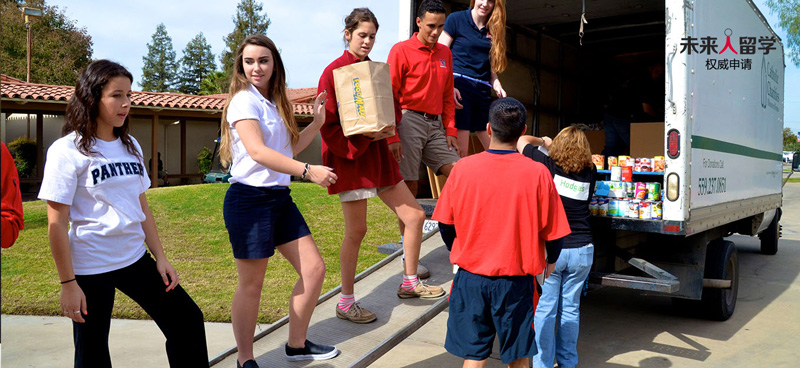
(422, 79)
(359, 161)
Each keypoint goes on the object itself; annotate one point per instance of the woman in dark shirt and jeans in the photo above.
(570, 163)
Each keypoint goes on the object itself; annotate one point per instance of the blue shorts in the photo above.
(259, 219)
(482, 307)
(476, 98)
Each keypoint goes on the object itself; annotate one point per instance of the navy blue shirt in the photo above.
(470, 46)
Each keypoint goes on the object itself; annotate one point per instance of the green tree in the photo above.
(789, 14)
(159, 69)
(213, 83)
(61, 49)
(247, 21)
(790, 142)
(196, 63)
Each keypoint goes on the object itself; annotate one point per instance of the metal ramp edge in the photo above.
(381, 348)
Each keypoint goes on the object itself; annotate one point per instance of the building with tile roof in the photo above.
(177, 126)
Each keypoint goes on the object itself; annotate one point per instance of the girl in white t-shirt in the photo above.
(99, 221)
(259, 139)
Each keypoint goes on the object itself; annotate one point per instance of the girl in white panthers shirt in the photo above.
(99, 221)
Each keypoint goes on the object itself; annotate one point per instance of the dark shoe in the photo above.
(311, 351)
(248, 364)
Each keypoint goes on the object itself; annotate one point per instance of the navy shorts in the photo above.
(259, 219)
(476, 98)
(482, 307)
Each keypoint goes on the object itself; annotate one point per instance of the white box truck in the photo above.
(722, 128)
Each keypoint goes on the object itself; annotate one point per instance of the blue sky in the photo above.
(308, 32)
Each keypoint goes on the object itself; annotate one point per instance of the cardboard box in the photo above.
(597, 140)
(364, 96)
(647, 139)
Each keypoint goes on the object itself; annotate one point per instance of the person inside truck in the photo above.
(422, 82)
(367, 169)
(558, 313)
(477, 38)
(636, 99)
(498, 226)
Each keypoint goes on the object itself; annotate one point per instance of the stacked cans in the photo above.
(628, 199)
(637, 164)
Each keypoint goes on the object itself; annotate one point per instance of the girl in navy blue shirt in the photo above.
(476, 37)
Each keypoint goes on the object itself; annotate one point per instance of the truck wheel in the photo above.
(722, 262)
(769, 237)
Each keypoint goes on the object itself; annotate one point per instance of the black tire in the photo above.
(722, 262)
(769, 237)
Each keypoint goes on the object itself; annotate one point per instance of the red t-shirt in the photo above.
(359, 161)
(10, 200)
(422, 79)
(504, 206)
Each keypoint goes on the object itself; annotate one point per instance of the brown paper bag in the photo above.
(364, 96)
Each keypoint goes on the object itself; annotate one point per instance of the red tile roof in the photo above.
(9, 79)
(13, 88)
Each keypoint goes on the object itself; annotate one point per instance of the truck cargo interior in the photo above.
(566, 79)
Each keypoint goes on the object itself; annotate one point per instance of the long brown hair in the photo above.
(354, 19)
(276, 88)
(570, 150)
(84, 107)
(497, 28)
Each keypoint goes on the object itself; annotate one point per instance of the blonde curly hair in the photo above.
(570, 150)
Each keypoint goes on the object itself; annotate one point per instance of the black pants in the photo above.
(175, 313)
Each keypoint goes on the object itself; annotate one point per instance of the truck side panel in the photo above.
(736, 104)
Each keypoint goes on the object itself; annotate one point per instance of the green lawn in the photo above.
(189, 220)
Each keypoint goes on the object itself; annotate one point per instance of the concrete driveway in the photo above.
(625, 328)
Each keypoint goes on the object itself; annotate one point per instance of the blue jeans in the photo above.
(557, 316)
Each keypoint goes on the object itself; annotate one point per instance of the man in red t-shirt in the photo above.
(500, 223)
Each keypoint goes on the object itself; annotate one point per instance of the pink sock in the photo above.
(409, 282)
(346, 301)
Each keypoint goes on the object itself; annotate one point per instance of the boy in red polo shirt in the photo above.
(500, 223)
(422, 82)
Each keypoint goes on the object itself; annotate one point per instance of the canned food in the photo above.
(658, 164)
(645, 165)
(616, 189)
(645, 210)
(616, 173)
(641, 191)
(593, 206)
(654, 191)
(613, 207)
(625, 161)
(622, 207)
(630, 189)
(627, 173)
(633, 208)
(656, 210)
(598, 161)
(612, 161)
(602, 207)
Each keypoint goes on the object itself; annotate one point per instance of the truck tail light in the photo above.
(673, 143)
(673, 186)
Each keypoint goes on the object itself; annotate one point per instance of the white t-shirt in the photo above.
(103, 194)
(250, 104)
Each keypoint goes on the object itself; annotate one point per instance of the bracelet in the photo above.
(70, 280)
(305, 171)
